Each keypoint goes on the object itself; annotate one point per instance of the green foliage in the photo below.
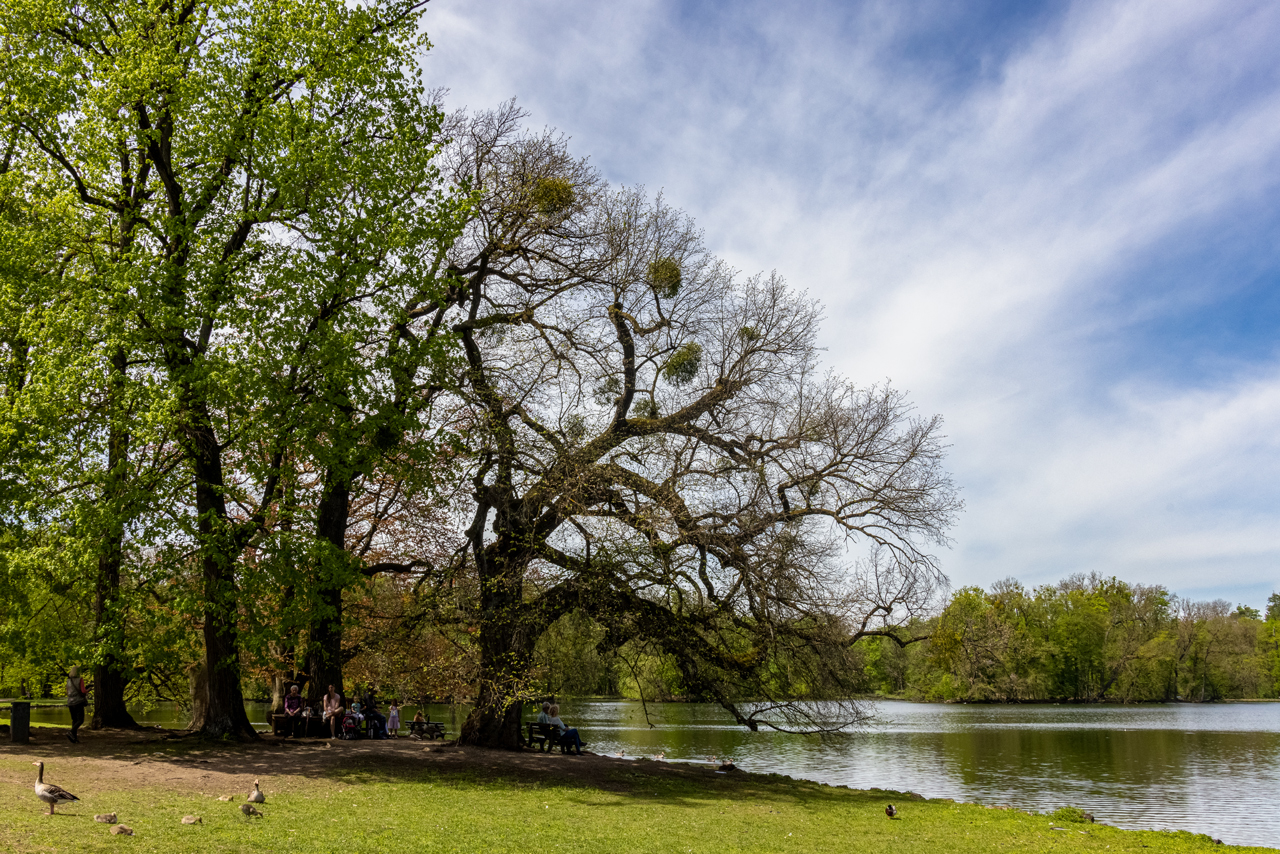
(682, 367)
(570, 662)
(1088, 639)
(645, 407)
(552, 196)
(216, 335)
(608, 389)
(665, 277)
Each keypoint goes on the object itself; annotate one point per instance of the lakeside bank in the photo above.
(358, 797)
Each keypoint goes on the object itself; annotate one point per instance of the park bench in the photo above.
(427, 729)
(313, 726)
(546, 735)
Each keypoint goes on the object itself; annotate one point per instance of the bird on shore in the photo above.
(891, 811)
(249, 810)
(256, 796)
(48, 792)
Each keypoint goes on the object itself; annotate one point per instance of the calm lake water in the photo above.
(1205, 768)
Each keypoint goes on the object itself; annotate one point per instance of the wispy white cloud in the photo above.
(977, 234)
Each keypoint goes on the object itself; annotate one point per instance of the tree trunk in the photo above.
(199, 696)
(109, 678)
(282, 679)
(324, 645)
(224, 709)
(506, 659)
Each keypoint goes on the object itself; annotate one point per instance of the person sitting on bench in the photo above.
(544, 716)
(293, 706)
(377, 722)
(332, 711)
(567, 736)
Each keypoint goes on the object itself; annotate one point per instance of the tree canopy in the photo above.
(281, 338)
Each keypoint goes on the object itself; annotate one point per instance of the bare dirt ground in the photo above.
(181, 761)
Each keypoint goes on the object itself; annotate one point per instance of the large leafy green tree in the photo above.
(258, 178)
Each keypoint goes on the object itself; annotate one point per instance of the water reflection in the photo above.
(1211, 769)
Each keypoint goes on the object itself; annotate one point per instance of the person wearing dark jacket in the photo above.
(377, 721)
(293, 718)
(77, 699)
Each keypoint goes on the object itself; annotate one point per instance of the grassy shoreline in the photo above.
(358, 798)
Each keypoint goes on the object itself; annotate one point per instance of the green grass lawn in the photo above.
(428, 810)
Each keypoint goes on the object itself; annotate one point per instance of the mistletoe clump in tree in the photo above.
(651, 441)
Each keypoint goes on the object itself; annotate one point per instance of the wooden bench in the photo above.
(312, 727)
(546, 735)
(428, 728)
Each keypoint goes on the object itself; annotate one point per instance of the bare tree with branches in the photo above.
(650, 439)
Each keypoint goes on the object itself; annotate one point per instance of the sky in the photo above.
(1055, 224)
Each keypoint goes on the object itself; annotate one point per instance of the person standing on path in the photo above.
(393, 720)
(77, 699)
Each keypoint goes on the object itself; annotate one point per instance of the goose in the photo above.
(256, 796)
(891, 811)
(48, 792)
(248, 810)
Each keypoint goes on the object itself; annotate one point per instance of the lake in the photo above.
(1205, 768)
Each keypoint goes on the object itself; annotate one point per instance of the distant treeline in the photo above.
(1085, 639)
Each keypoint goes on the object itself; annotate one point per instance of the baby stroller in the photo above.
(350, 727)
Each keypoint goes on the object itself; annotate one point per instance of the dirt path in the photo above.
(122, 758)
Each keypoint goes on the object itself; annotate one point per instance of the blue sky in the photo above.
(1057, 224)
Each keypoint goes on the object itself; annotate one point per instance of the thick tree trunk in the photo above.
(109, 680)
(199, 696)
(283, 679)
(224, 708)
(506, 659)
(324, 645)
